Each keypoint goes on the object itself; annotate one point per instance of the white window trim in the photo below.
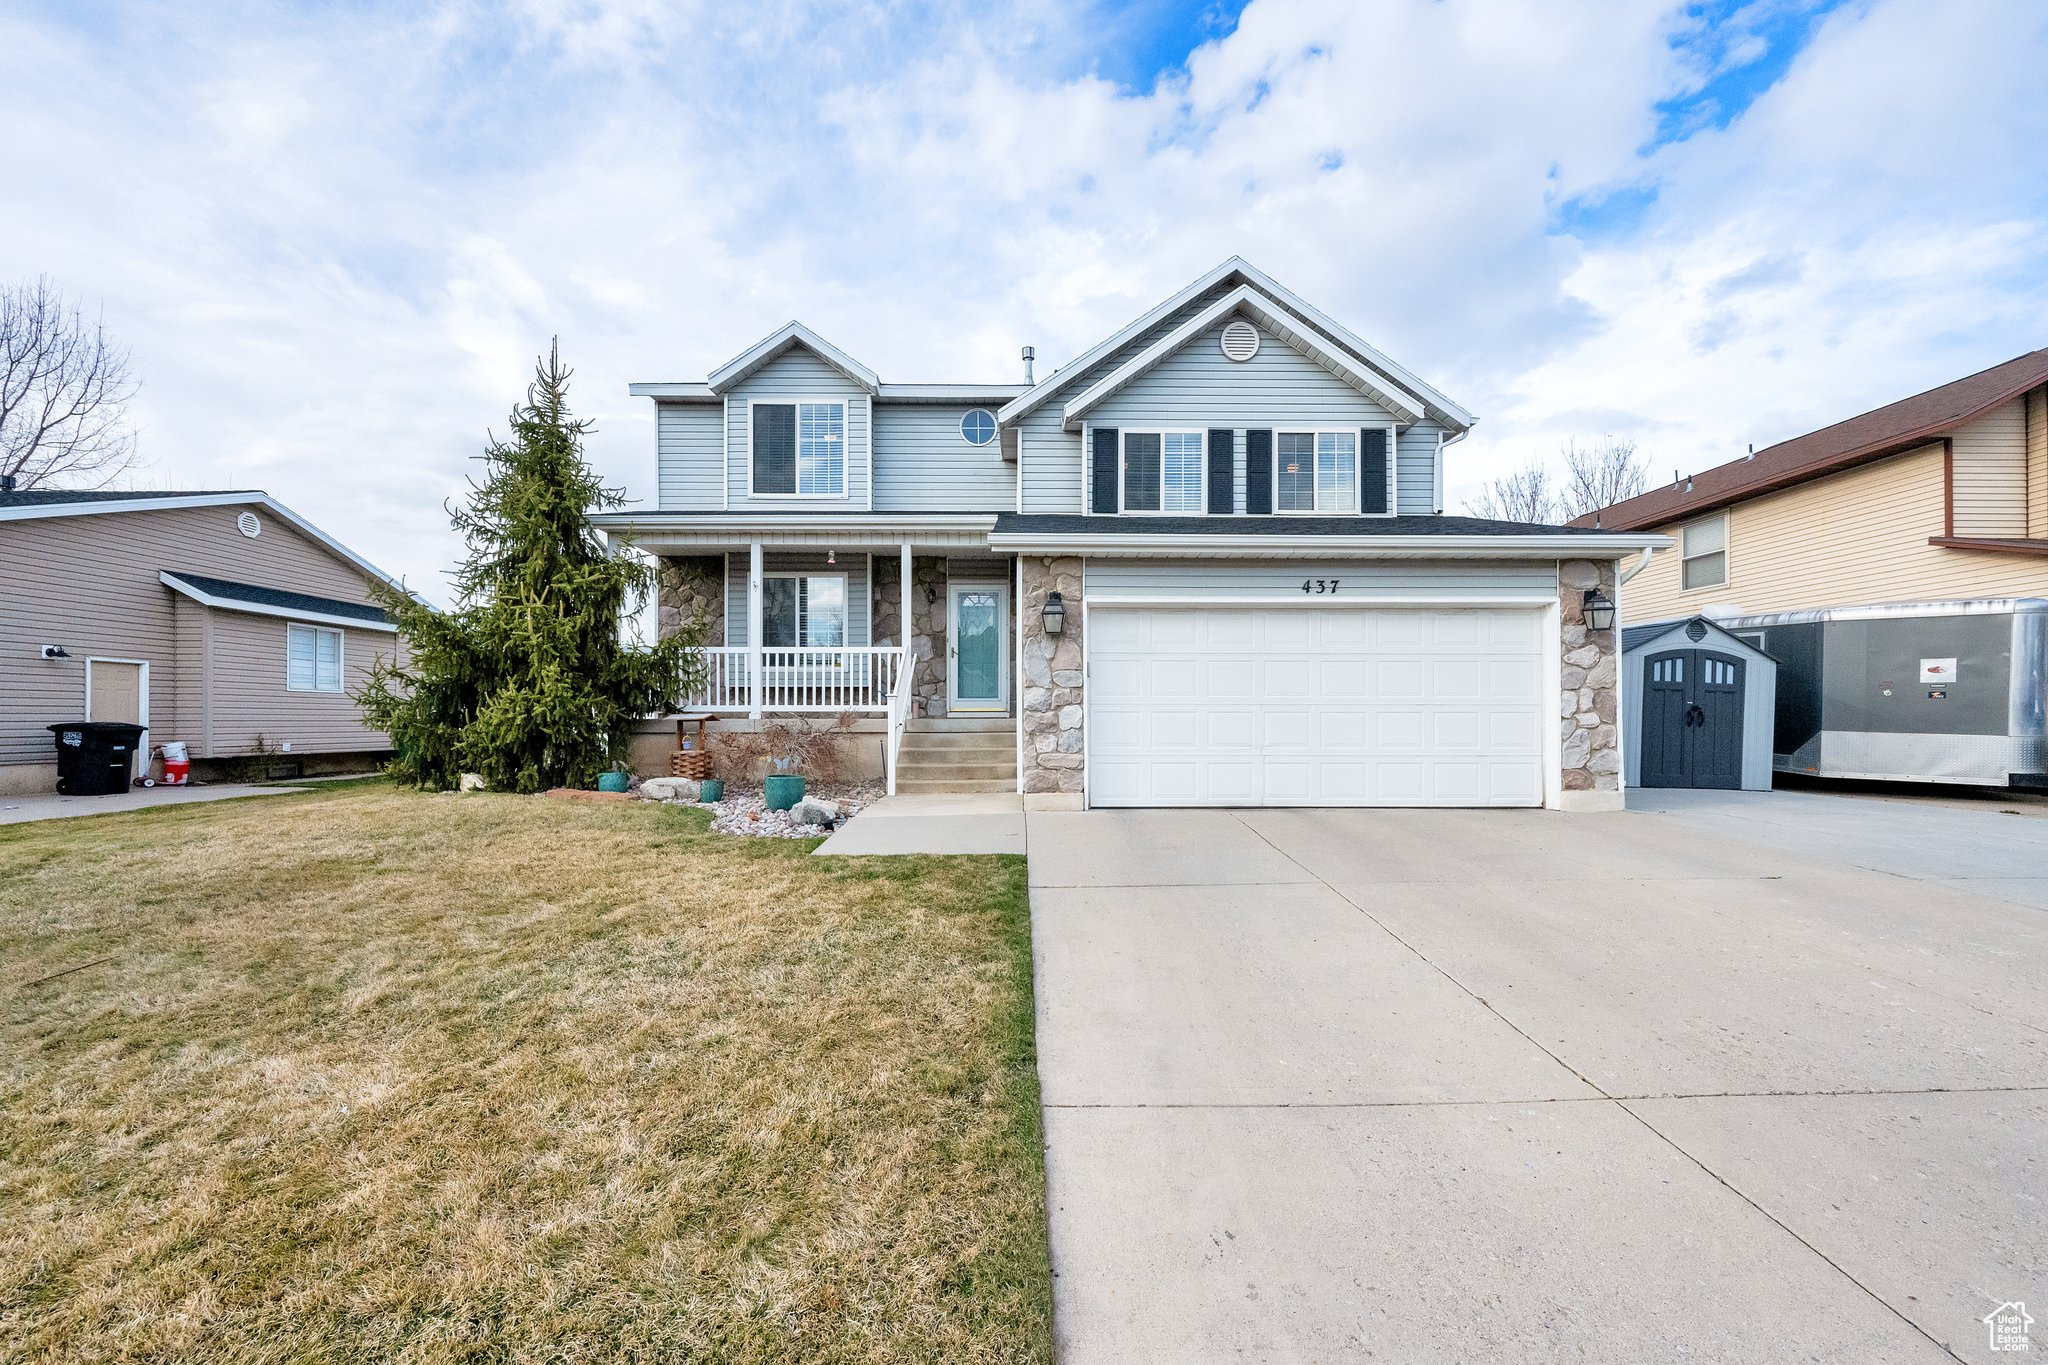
(1202, 469)
(845, 452)
(340, 687)
(961, 428)
(846, 601)
(1727, 562)
(1357, 473)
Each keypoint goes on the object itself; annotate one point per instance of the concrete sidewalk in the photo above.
(20, 810)
(991, 823)
(1514, 1085)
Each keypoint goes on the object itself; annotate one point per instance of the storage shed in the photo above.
(1704, 703)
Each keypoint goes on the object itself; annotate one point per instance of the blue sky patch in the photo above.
(1144, 40)
(1740, 48)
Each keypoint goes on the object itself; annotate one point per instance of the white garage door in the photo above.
(1248, 706)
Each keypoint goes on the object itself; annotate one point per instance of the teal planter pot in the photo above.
(782, 791)
(613, 782)
(711, 789)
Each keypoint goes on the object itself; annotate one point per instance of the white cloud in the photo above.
(336, 244)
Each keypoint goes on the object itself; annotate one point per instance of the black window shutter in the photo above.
(1222, 471)
(1102, 472)
(1258, 473)
(1374, 494)
(775, 447)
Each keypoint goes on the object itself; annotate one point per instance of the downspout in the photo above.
(1441, 442)
(1642, 563)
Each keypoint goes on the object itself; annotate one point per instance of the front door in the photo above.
(1692, 720)
(980, 648)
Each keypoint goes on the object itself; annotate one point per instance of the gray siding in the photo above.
(1050, 465)
(1415, 456)
(1198, 386)
(924, 464)
(89, 583)
(859, 595)
(1200, 582)
(795, 374)
(689, 447)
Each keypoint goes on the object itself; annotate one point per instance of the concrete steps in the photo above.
(960, 756)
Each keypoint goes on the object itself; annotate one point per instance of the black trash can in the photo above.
(95, 757)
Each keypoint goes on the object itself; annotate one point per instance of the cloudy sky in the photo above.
(335, 235)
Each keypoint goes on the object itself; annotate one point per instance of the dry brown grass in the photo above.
(381, 1076)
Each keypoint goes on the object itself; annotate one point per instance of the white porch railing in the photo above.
(899, 715)
(815, 680)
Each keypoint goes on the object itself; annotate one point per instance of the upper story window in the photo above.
(799, 449)
(1163, 471)
(978, 427)
(1315, 471)
(802, 611)
(312, 659)
(1703, 552)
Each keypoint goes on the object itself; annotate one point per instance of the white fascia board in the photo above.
(144, 502)
(1297, 333)
(1371, 355)
(674, 392)
(320, 618)
(746, 527)
(780, 340)
(950, 393)
(1140, 546)
(1037, 395)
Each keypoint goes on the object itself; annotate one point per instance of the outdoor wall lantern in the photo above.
(1055, 614)
(1599, 610)
(56, 652)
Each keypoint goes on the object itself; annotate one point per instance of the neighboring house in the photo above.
(1940, 496)
(221, 620)
(1202, 564)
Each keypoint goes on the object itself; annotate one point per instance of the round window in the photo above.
(248, 525)
(978, 427)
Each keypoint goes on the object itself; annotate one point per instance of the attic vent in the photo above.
(1695, 631)
(248, 525)
(1240, 341)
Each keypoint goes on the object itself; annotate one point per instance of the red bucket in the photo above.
(177, 771)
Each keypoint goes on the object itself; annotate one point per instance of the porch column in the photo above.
(754, 629)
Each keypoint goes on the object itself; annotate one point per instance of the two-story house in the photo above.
(1203, 563)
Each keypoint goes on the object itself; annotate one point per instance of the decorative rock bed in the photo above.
(745, 812)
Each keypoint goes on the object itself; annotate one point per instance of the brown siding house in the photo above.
(221, 620)
(1939, 496)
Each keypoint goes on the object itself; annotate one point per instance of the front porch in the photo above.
(797, 631)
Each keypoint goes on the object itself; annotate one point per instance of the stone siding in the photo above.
(692, 586)
(1589, 695)
(1051, 704)
(927, 624)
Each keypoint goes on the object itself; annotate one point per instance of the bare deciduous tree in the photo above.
(64, 391)
(1596, 476)
(1525, 495)
(1600, 475)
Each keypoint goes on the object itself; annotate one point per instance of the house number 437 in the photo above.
(1319, 585)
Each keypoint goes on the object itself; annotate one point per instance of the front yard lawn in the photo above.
(373, 1075)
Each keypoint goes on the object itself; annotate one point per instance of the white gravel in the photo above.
(744, 812)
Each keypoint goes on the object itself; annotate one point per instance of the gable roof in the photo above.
(262, 601)
(1875, 435)
(1239, 271)
(37, 504)
(775, 343)
(1277, 320)
(1635, 637)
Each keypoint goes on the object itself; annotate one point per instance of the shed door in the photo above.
(1291, 706)
(1692, 719)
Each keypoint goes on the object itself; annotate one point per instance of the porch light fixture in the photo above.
(831, 556)
(1599, 610)
(1055, 614)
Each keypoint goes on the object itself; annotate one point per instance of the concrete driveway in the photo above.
(1742, 1079)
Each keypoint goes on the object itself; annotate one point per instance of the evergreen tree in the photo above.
(528, 681)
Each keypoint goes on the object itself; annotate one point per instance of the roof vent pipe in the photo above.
(1676, 478)
(1030, 354)
(1752, 451)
